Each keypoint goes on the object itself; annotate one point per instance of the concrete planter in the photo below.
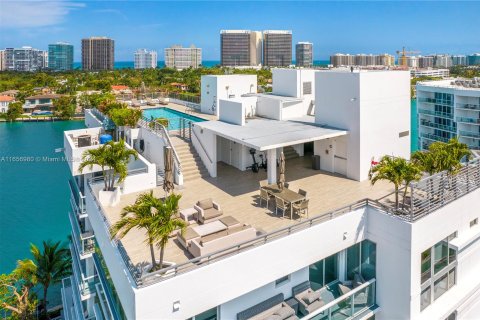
(109, 198)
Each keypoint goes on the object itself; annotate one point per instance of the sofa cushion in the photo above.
(317, 304)
(189, 234)
(343, 289)
(205, 204)
(213, 236)
(273, 317)
(211, 213)
(311, 297)
(285, 312)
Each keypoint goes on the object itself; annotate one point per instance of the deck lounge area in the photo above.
(238, 194)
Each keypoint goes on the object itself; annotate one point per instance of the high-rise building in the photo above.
(60, 56)
(362, 60)
(98, 53)
(240, 48)
(473, 59)
(277, 48)
(144, 59)
(459, 60)
(25, 59)
(2, 60)
(412, 61)
(448, 109)
(179, 57)
(384, 59)
(443, 61)
(304, 54)
(425, 62)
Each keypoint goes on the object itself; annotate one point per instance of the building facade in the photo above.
(448, 109)
(430, 72)
(5, 102)
(443, 61)
(144, 59)
(473, 59)
(178, 57)
(277, 48)
(60, 56)
(240, 48)
(304, 54)
(25, 59)
(98, 53)
(425, 62)
(459, 60)
(362, 60)
(2, 60)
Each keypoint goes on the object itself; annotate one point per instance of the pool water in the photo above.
(174, 117)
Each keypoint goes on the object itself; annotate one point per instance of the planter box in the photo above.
(109, 198)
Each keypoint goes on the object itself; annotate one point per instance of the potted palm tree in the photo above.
(113, 158)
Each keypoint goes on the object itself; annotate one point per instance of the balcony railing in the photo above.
(77, 199)
(107, 123)
(84, 241)
(106, 295)
(86, 285)
(469, 106)
(470, 134)
(436, 113)
(349, 305)
(468, 120)
(436, 101)
(433, 137)
(437, 126)
(77, 301)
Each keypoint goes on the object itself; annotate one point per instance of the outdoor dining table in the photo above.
(286, 195)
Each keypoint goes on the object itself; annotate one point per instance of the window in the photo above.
(307, 87)
(452, 316)
(426, 265)
(323, 272)
(353, 261)
(207, 315)
(425, 298)
(281, 281)
(440, 256)
(440, 286)
(474, 222)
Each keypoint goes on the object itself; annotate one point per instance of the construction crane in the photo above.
(402, 56)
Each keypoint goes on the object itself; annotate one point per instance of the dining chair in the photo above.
(301, 208)
(302, 192)
(264, 196)
(263, 183)
(286, 184)
(282, 205)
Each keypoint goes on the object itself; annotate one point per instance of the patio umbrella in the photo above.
(168, 162)
(281, 178)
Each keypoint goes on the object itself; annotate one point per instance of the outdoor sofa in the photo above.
(273, 308)
(208, 210)
(308, 300)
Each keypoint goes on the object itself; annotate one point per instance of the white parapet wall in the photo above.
(232, 111)
(90, 120)
(205, 143)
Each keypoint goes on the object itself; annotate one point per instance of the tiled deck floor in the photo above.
(237, 194)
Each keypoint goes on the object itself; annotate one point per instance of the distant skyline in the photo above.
(346, 27)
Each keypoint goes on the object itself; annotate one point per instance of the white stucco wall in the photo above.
(205, 143)
(232, 111)
(90, 120)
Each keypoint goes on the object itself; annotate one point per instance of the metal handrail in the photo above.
(468, 120)
(470, 134)
(201, 145)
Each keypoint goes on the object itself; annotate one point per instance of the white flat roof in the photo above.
(264, 134)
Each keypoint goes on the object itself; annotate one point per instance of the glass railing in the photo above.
(77, 199)
(85, 284)
(436, 113)
(433, 137)
(77, 301)
(83, 240)
(105, 296)
(470, 134)
(468, 120)
(469, 106)
(437, 126)
(436, 101)
(349, 305)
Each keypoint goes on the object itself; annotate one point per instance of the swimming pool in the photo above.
(174, 117)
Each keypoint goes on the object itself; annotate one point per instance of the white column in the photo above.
(272, 165)
(342, 265)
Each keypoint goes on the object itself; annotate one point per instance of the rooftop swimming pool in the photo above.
(174, 117)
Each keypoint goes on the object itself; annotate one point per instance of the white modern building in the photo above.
(354, 256)
(182, 58)
(25, 59)
(448, 109)
(430, 72)
(144, 59)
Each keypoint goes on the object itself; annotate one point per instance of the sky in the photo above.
(347, 27)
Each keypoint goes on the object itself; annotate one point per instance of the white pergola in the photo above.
(269, 135)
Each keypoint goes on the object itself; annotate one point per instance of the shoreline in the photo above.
(42, 119)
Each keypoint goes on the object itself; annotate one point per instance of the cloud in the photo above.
(28, 13)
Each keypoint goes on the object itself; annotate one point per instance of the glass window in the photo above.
(440, 256)
(369, 258)
(331, 269)
(426, 267)
(452, 255)
(452, 275)
(440, 286)
(425, 298)
(207, 315)
(353, 261)
(316, 275)
(282, 280)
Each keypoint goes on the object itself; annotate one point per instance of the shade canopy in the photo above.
(168, 184)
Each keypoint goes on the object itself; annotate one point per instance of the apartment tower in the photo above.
(144, 59)
(98, 53)
(180, 58)
(60, 56)
(240, 48)
(304, 54)
(25, 59)
(277, 48)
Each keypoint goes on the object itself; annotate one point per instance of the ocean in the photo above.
(161, 64)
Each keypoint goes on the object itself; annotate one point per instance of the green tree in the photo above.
(125, 117)
(65, 107)
(394, 170)
(16, 298)
(113, 158)
(162, 121)
(15, 110)
(53, 263)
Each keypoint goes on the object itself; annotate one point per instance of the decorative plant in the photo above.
(113, 158)
(125, 116)
(162, 121)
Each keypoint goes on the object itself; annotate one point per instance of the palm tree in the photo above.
(53, 264)
(27, 271)
(168, 222)
(390, 169)
(140, 216)
(411, 173)
(113, 158)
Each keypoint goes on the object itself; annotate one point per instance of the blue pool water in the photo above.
(174, 117)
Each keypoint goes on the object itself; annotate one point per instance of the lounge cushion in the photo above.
(284, 312)
(343, 289)
(311, 297)
(213, 236)
(317, 304)
(273, 317)
(212, 213)
(205, 204)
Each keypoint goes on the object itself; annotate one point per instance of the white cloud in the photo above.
(27, 13)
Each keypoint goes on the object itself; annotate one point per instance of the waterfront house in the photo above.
(41, 102)
(4, 102)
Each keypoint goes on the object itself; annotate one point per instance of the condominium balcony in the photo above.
(469, 106)
(77, 199)
(430, 124)
(468, 120)
(433, 137)
(84, 241)
(84, 284)
(436, 113)
(436, 101)
(107, 304)
(470, 134)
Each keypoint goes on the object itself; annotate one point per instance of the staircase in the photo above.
(290, 153)
(192, 165)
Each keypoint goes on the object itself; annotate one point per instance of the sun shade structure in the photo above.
(168, 180)
(281, 178)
